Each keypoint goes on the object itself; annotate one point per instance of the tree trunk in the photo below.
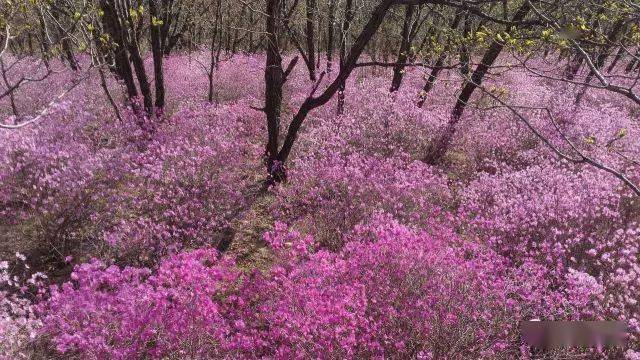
(464, 49)
(107, 93)
(274, 80)
(601, 59)
(441, 145)
(122, 67)
(433, 76)
(349, 63)
(311, 40)
(573, 67)
(12, 99)
(44, 41)
(141, 75)
(346, 26)
(213, 54)
(632, 64)
(67, 48)
(616, 59)
(157, 50)
(330, 34)
(403, 52)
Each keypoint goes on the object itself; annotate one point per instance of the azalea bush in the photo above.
(187, 184)
(566, 221)
(390, 290)
(182, 250)
(20, 288)
(52, 173)
(329, 195)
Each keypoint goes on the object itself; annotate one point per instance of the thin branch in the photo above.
(581, 159)
(45, 111)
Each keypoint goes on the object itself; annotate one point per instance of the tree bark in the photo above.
(602, 58)
(67, 48)
(433, 76)
(634, 61)
(403, 52)
(464, 49)
(122, 66)
(311, 40)
(441, 145)
(346, 26)
(157, 50)
(274, 80)
(350, 61)
(12, 99)
(330, 34)
(214, 54)
(141, 75)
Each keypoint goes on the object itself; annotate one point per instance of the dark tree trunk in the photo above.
(634, 61)
(234, 39)
(330, 34)
(122, 67)
(465, 68)
(214, 54)
(126, 52)
(8, 85)
(67, 48)
(274, 80)
(141, 75)
(605, 52)
(68, 53)
(107, 93)
(348, 64)
(573, 67)
(601, 58)
(170, 31)
(433, 76)
(440, 145)
(311, 40)
(157, 50)
(403, 51)
(346, 26)
(30, 43)
(318, 44)
(44, 41)
(616, 59)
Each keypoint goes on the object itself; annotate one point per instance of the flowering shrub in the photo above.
(306, 307)
(566, 221)
(114, 313)
(18, 321)
(390, 291)
(374, 254)
(187, 184)
(50, 174)
(331, 194)
(384, 294)
(374, 123)
(80, 179)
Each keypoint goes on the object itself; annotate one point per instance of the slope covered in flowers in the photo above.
(370, 252)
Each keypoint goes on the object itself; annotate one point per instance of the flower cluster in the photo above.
(19, 324)
(391, 290)
(186, 186)
(372, 252)
(567, 222)
(330, 194)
